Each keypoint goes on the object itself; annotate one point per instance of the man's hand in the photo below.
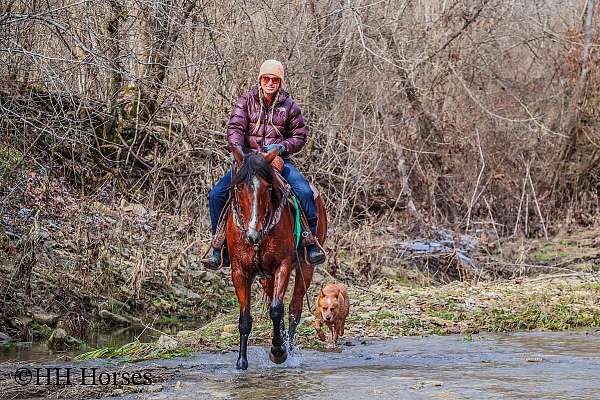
(270, 147)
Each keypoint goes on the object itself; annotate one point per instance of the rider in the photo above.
(263, 119)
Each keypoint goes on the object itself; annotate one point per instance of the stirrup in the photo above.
(314, 255)
(215, 262)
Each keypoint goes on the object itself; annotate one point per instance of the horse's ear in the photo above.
(238, 154)
(270, 156)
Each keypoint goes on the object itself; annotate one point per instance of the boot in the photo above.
(315, 255)
(214, 262)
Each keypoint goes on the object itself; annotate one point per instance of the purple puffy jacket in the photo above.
(286, 126)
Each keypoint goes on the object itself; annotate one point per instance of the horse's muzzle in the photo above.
(253, 236)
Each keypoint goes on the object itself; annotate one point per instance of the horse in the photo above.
(260, 242)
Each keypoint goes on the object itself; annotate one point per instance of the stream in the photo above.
(535, 365)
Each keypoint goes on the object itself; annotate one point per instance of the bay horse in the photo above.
(260, 242)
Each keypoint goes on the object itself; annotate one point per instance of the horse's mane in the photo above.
(254, 164)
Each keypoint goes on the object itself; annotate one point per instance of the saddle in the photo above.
(306, 237)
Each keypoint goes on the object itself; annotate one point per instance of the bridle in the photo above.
(271, 219)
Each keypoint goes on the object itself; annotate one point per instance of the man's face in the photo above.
(269, 83)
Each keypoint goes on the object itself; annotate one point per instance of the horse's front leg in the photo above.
(302, 281)
(278, 352)
(242, 289)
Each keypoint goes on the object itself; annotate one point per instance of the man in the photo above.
(263, 119)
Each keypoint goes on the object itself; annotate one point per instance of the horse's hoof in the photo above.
(278, 359)
(242, 364)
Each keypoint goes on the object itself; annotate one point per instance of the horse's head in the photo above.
(252, 188)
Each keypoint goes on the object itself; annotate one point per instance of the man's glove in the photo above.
(270, 147)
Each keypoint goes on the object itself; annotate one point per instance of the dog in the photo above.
(333, 306)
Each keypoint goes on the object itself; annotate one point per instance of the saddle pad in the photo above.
(314, 190)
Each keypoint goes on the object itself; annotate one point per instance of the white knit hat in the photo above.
(271, 67)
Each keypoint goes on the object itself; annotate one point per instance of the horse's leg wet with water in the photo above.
(278, 353)
(242, 286)
(302, 281)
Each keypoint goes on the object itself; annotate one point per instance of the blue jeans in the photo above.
(217, 197)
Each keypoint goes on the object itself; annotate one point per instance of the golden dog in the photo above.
(333, 306)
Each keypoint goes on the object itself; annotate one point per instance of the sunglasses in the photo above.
(267, 79)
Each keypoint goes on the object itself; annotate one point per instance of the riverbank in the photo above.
(389, 309)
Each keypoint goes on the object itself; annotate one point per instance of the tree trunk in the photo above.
(164, 27)
(571, 121)
(115, 81)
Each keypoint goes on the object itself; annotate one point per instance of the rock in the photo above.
(103, 209)
(166, 342)
(25, 213)
(20, 321)
(438, 321)
(120, 304)
(182, 291)
(4, 337)
(136, 209)
(59, 340)
(229, 328)
(44, 235)
(117, 319)
(534, 359)
(42, 317)
(54, 224)
(185, 334)
(210, 305)
(210, 276)
(309, 319)
(198, 274)
(226, 335)
(424, 384)
(139, 210)
(154, 388)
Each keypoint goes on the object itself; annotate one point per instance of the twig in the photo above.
(478, 179)
(537, 204)
(578, 274)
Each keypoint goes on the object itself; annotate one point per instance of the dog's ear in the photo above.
(341, 297)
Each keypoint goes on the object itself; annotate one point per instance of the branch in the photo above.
(455, 35)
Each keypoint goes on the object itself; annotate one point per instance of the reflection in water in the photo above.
(520, 366)
(39, 351)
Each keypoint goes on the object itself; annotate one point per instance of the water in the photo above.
(518, 366)
(38, 351)
(537, 365)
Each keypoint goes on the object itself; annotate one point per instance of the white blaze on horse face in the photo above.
(254, 216)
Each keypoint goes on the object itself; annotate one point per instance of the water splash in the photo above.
(294, 359)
